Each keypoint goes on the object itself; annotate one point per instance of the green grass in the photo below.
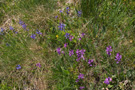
(103, 22)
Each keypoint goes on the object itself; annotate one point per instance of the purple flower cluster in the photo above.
(81, 87)
(80, 54)
(79, 38)
(67, 10)
(71, 52)
(15, 32)
(79, 13)
(2, 29)
(61, 26)
(56, 17)
(21, 22)
(90, 62)
(38, 32)
(33, 36)
(61, 11)
(67, 35)
(82, 35)
(38, 65)
(108, 80)
(118, 57)
(80, 76)
(1, 32)
(65, 45)
(59, 50)
(70, 38)
(11, 28)
(23, 25)
(18, 67)
(63, 52)
(109, 50)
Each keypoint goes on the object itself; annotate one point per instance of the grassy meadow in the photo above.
(67, 44)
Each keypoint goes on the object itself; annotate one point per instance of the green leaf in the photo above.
(110, 86)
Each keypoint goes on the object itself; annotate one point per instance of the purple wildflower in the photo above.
(11, 28)
(79, 38)
(65, 45)
(16, 32)
(118, 57)
(77, 51)
(71, 53)
(63, 52)
(109, 50)
(80, 76)
(90, 62)
(59, 50)
(83, 34)
(33, 36)
(80, 54)
(2, 29)
(61, 11)
(56, 17)
(79, 13)
(77, 80)
(61, 26)
(82, 51)
(78, 59)
(7, 44)
(1, 33)
(21, 22)
(70, 38)
(24, 26)
(108, 80)
(38, 32)
(67, 35)
(82, 87)
(18, 67)
(38, 64)
(67, 10)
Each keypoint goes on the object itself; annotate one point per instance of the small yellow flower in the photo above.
(57, 36)
(131, 41)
